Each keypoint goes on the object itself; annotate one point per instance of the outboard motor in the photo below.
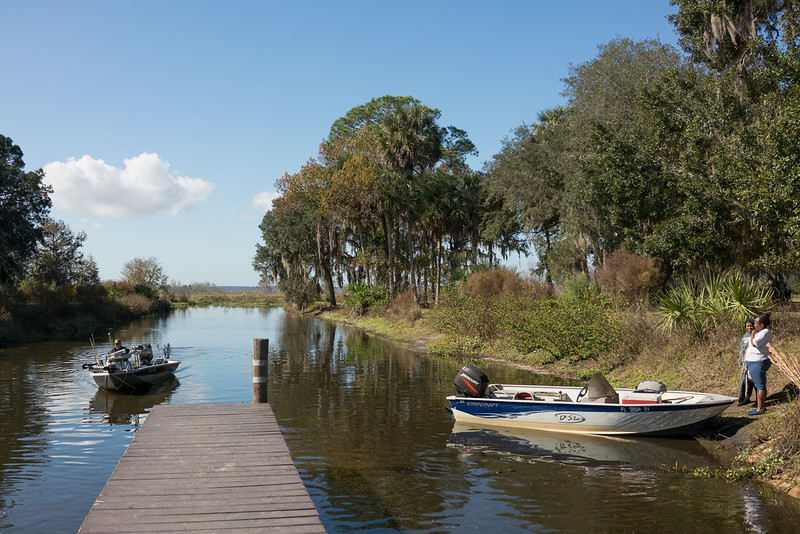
(650, 386)
(471, 382)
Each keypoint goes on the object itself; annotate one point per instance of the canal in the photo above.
(367, 426)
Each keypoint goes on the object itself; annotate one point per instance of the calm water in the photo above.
(367, 427)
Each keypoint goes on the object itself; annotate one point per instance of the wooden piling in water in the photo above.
(260, 369)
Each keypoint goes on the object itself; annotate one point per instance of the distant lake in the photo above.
(367, 426)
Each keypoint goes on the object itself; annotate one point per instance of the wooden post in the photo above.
(260, 369)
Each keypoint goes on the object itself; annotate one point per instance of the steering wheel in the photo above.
(582, 393)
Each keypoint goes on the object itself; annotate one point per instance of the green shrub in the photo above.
(577, 286)
(299, 291)
(680, 307)
(726, 298)
(576, 326)
(361, 298)
(475, 317)
(571, 328)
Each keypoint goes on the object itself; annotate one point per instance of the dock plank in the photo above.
(209, 468)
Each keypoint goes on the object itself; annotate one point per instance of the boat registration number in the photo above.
(570, 418)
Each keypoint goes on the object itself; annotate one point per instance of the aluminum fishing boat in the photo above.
(596, 408)
(133, 370)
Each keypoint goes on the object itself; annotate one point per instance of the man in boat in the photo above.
(120, 353)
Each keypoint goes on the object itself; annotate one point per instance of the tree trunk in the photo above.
(411, 268)
(548, 248)
(323, 260)
(363, 251)
(388, 230)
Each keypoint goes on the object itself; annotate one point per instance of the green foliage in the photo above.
(574, 327)
(389, 198)
(727, 297)
(361, 298)
(368, 114)
(58, 259)
(743, 297)
(24, 206)
(299, 291)
(690, 164)
(34, 311)
(571, 328)
(468, 317)
(733, 36)
(409, 139)
(680, 308)
(578, 287)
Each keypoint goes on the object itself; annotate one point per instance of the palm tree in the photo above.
(410, 142)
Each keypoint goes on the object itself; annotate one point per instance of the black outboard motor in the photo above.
(145, 353)
(471, 382)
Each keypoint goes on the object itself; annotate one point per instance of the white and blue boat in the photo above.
(597, 408)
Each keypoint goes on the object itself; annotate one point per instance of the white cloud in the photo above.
(92, 225)
(143, 187)
(264, 200)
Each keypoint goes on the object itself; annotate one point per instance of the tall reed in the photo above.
(787, 363)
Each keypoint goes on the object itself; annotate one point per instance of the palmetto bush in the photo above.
(727, 297)
(680, 307)
(361, 298)
(745, 297)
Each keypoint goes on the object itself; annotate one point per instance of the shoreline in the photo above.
(727, 437)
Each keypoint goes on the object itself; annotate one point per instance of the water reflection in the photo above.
(121, 409)
(583, 449)
(367, 426)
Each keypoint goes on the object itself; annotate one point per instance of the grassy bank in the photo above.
(767, 447)
(234, 300)
(37, 312)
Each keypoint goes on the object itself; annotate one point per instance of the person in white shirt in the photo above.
(758, 362)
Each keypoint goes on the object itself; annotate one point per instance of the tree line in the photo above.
(48, 287)
(389, 201)
(690, 157)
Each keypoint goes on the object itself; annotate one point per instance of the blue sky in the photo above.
(163, 125)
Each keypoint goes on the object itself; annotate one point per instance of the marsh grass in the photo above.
(231, 300)
(789, 364)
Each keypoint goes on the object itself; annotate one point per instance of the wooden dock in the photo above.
(205, 467)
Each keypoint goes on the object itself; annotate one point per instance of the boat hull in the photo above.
(592, 417)
(136, 380)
